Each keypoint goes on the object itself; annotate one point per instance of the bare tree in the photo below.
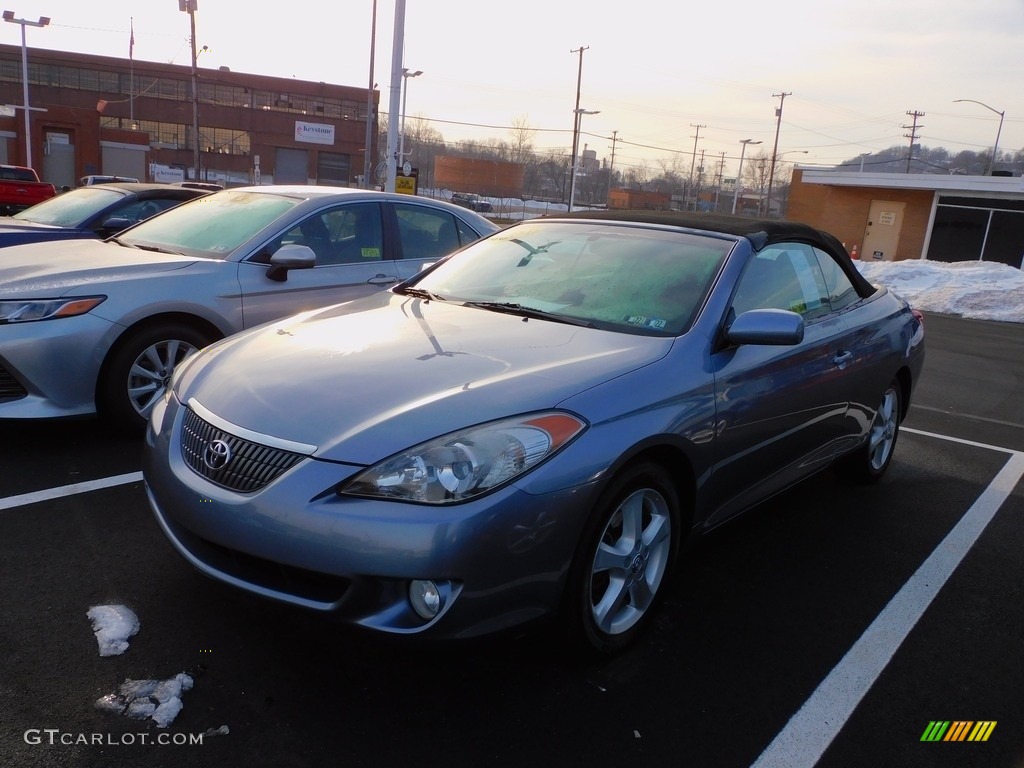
(638, 176)
(522, 141)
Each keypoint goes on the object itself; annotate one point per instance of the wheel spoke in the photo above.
(640, 593)
(632, 511)
(608, 607)
(609, 558)
(658, 531)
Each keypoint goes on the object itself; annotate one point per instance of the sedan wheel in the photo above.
(139, 370)
(621, 572)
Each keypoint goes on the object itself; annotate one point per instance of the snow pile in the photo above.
(113, 625)
(159, 700)
(980, 290)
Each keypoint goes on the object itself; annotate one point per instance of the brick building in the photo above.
(895, 216)
(99, 114)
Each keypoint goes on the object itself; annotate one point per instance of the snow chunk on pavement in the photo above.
(113, 625)
(159, 700)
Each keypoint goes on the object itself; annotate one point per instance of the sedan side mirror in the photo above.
(113, 225)
(778, 327)
(289, 257)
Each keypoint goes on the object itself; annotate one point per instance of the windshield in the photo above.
(620, 277)
(212, 226)
(72, 208)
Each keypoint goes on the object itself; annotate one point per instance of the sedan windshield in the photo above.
(212, 226)
(71, 208)
(626, 278)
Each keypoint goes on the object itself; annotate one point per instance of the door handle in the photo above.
(842, 358)
(382, 279)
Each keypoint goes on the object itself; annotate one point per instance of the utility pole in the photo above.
(576, 125)
(719, 178)
(368, 159)
(775, 149)
(693, 159)
(611, 168)
(912, 135)
(700, 181)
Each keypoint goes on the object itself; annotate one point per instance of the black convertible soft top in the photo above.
(760, 232)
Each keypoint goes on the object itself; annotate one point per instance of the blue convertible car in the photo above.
(530, 427)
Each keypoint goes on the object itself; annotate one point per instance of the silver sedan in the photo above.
(89, 326)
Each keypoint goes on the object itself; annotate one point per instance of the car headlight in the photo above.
(465, 464)
(47, 309)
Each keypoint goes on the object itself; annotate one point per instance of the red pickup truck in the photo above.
(21, 188)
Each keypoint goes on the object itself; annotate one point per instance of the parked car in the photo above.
(91, 212)
(96, 178)
(21, 188)
(89, 326)
(472, 201)
(532, 426)
(209, 186)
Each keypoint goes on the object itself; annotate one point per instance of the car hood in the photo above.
(50, 269)
(365, 380)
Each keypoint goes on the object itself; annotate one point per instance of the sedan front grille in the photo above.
(10, 387)
(229, 461)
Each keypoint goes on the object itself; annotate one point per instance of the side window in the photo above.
(841, 292)
(426, 233)
(347, 234)
(466, 234)
(783, 276)
(355, 232)
(140, 209)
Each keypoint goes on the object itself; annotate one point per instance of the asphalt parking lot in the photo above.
(832, 626)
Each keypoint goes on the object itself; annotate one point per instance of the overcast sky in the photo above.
(654, 69)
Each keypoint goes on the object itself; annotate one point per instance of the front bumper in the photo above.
(499, 561)
(50, 367)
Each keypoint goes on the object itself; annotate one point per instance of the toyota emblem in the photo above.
(216, 455)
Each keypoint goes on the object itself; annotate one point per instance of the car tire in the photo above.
(621, 570)
(137, 371)
(869, 463)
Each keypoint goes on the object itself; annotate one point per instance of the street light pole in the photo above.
(43, 21)
(995, 147)
(575, 144)
(406, 74)
(394, 97)
(189, 7)
(739, 173)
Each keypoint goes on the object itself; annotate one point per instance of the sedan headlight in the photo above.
(465, 464)
(47, 309)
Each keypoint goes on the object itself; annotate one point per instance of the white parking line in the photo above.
(69, 490)
(807, 735)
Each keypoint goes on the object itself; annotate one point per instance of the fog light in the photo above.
(425, 598)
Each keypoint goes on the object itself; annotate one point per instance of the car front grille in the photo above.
(249, 466)
(9, 386)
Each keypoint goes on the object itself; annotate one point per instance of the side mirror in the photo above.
(113, 225)
(289, 257)
(777, 327)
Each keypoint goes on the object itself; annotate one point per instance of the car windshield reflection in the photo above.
(635, 280)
